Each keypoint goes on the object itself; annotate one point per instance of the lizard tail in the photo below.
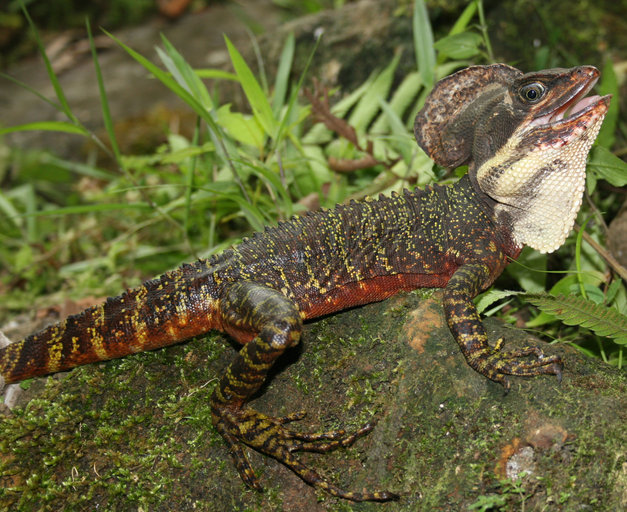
(158, 313)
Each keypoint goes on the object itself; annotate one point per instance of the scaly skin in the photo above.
(261, 292)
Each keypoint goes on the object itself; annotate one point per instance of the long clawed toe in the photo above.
(538, 365)
(269, 436)
(524, 362)
(332, 440)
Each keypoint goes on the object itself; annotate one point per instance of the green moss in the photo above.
(137, 432)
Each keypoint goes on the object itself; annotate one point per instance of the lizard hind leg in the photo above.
(278, 324)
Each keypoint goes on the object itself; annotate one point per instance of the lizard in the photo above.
(525, 139)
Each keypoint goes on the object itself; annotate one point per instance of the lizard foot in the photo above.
(268, 435)
(496, 364)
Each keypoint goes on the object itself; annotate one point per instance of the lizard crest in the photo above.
(522, 148)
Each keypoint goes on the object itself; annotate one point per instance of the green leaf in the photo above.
(252, 214)
(570, 282)
(179, 156)
(574, 310)
(168, 81)
(368, 105)
(245, 129)
(273, 181)
(404, 95)
(10, 212)
(253, 91)
(423, 43)
(612, 290)
(217, 135)
(27, 87)
(486, 299)
(459, 46)
(464, 18)
(104, 103)
(564, 287)
(184, 74)
(78, 168)
(54, 80)
(216, 74)
(52, 126)
(292, 103)
(608, 166)
(609, 85)
(283, 75)
(403, 142)
(88, 208)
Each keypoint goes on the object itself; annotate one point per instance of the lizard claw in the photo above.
(496, 364)
(269, 436)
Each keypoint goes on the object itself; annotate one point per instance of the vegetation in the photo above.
(85, 228)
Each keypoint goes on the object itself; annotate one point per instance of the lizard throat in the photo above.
(537, 178)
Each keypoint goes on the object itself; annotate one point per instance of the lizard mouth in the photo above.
(578, 107)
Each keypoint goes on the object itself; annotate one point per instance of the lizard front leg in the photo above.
(246, 307)
(467, 328)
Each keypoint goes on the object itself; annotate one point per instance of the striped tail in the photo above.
(177, 306)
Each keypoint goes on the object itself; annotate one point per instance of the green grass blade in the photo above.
(216, 74)
(609, 85)
(189, 182)
(49, 126)
(274, 182)
(90, 208)
(78, 168)
(54, 80)
(582, 288)
(459, 46)
(263, 78)
(167, 80)
(254, 217)
(484, 30)
(369, 105)
(184, 74)
(464, 19)
(10, 212)
(104, 103)
(404, 95)
(283, 75)
(253, 91)
(27, 87)
(423, 43)
(171, 84)
(404, 143)
(293, 97)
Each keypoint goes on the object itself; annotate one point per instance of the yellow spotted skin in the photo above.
(457, 237)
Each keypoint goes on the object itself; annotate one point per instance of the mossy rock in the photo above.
(135, 434)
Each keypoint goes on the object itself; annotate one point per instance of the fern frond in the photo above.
(575, 310)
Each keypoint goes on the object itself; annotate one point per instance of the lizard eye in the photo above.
(532, 93)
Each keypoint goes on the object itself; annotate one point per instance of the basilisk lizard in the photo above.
(525, 138)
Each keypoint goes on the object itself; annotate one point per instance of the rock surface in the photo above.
(135, 433)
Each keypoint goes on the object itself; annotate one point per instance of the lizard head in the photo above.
(525, 137)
